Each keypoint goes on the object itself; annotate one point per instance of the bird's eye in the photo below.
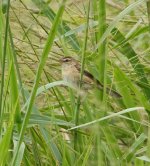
(66, 60)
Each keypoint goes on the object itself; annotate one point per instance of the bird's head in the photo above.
(68, 61)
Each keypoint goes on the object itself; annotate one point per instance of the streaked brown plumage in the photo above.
(71, 73)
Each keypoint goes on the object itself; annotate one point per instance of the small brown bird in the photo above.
(71, 74)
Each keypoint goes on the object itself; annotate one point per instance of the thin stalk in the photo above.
(16, 65)
(3, 60)
(148, 12)
(102, 60)
(77, 110)
(102, 48)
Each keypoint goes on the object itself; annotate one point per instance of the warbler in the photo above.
(71, 73)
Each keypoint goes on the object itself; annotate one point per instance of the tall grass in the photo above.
(45, 123)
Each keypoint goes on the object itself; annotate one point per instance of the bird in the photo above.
(71, 73)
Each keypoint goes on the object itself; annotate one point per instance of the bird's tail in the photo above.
(112, 92)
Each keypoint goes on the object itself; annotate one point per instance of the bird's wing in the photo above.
(88, 77)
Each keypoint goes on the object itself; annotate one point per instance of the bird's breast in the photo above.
(71, 75)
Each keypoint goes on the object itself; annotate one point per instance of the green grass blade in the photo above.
(117, 19)
(14, 88)
(5, 141)
(148, 11)
(126, 49)
(139, 95)
(1, 32)
(21, 154)
(107, 117)
(45, 53)
(4, 58)
(77, 109)
(128, 99)
(51, 145)
(131, 151)
(102, 59)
